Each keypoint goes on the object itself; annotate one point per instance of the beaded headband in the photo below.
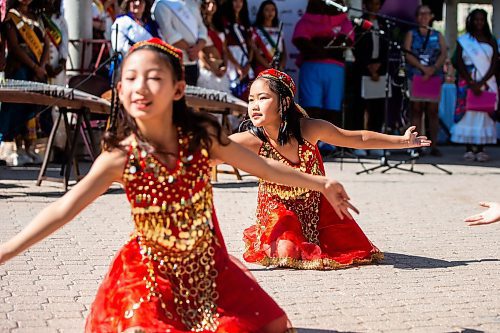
(274, 74)
(160, 45)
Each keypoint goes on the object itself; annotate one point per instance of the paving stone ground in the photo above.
(438, 275)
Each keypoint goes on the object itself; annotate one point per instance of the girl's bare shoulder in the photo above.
(309, 128)
(247, 140)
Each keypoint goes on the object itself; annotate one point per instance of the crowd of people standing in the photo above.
(224, 48)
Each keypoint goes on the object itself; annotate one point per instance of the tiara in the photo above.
(282, 77)
(159, 44)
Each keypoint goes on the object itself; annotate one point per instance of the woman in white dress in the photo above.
(134, 26)
(213, 57)
(477, 56)
(268, 39)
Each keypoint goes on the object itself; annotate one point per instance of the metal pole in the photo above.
(496, 18)
(78, 15)
(451, 28)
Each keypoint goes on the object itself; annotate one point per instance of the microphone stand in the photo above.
(275, 62)
(390, 21)
(114, 63)
(395, 47)
(347, 102)
(384, 162)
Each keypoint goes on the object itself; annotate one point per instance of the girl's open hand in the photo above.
(414, 141)
(338, 198)
(491, 215)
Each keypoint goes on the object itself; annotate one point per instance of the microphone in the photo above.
(362, 23)
(343, 9)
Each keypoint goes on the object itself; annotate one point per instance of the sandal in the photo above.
(469, 156)
(482, 157)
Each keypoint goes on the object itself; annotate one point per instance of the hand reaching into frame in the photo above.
(338, 198)
(415, 141)
(491, 215)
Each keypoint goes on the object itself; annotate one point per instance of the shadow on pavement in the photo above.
(452, 156)
(467, 330)
(406, 261)
(48, 194)
(315, 330)
(237, 184)
(10, 186)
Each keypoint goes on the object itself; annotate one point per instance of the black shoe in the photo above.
(436, 152)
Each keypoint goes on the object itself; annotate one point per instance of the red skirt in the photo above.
(282, 243)
(243, 305)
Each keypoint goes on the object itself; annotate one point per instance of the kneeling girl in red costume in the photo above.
(297, 227)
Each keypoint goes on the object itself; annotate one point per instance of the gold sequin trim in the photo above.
(318, 264)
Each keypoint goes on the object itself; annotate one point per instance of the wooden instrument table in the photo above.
(217, 102)
(70, 102)
(81, 104)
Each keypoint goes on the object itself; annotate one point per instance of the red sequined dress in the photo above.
(175, 274)
(299, 228)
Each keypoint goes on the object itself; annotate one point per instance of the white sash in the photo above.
(479, 58)
(131, 29)
(181, 10)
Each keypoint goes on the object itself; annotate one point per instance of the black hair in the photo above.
(146, 16)
(420, 7)
(469, 22)
(290, 117)
(36, 6)
(259, 20)
(195, 124)
(203, 6)
(227, 13)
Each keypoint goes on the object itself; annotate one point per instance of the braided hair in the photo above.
(289, 113)
(469, 23)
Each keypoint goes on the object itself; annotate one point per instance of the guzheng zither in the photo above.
(16, 91)
(214, 100)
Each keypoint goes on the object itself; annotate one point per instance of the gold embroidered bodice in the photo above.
(172, 212)
(303, 202)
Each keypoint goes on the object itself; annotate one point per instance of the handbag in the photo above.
(486, 102)
(426, 90)
(374, 89)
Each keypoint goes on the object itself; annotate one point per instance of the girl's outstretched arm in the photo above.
(317, 129)
(106, 169)
(491, 215)
(274, 171)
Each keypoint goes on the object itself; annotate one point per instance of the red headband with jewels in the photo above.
(274, 74)
(161, 46)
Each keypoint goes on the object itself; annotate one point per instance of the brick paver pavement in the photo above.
(438, 275)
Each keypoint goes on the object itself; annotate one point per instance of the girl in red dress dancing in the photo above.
(174, 275)
(297, 227)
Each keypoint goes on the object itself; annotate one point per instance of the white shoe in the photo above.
(6, 149)
(35, 157)
(18, 159)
